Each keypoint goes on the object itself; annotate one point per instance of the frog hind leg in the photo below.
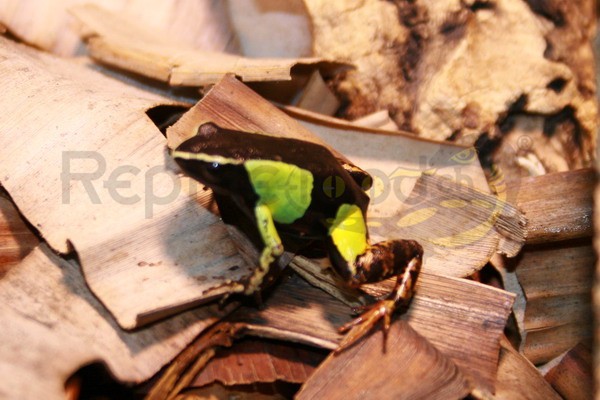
(273, 248)
(400, 258)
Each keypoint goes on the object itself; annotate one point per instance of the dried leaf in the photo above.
(411, 368)
(126, 44)
(180, 373)
(551, 215)
(232, 105)
(53, 325)
(47, 25)
(399, 209)
(464, 328)
(518, 379)
(250, 361)
(557, 282)
(573, 377)
(266, 391)
(88, 169)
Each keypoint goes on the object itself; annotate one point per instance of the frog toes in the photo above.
(360, 326)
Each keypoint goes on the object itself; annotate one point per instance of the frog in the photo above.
(297, 191)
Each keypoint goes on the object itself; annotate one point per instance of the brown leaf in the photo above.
(410, 368)
(518, 379)
(87, 167)
(573, 376)
(551, 215)
(53, 325)
(557, 283)
(250, 361)
(265, 391)
(462, 319)
(464, 328)
(232, 105)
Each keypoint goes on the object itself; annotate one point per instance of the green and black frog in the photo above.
(294, 191)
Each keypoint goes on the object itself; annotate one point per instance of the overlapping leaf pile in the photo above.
(123, 256)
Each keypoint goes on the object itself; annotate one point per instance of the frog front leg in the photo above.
(273, 247)
(358, 262)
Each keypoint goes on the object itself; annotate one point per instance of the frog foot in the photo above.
(360, 326)
(399, 296)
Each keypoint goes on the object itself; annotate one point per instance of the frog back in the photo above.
(331, 185)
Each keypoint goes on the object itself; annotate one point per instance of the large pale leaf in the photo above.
(124, 43)
(48, 25)
(147, 248)
(53, 325)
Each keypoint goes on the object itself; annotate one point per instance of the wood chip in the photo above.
(124, 43)
(573, 376)
(553, 216)
(53, 325)
(518, 379)
(455, 70)
(557, 283)
(136, 230)
(411, 368)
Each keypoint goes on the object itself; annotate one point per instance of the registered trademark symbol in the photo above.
(524, 142)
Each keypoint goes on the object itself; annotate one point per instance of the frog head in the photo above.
(221, 173)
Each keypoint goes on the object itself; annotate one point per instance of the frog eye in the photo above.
(210, 171)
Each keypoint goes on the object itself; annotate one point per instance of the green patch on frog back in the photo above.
(284, 188)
